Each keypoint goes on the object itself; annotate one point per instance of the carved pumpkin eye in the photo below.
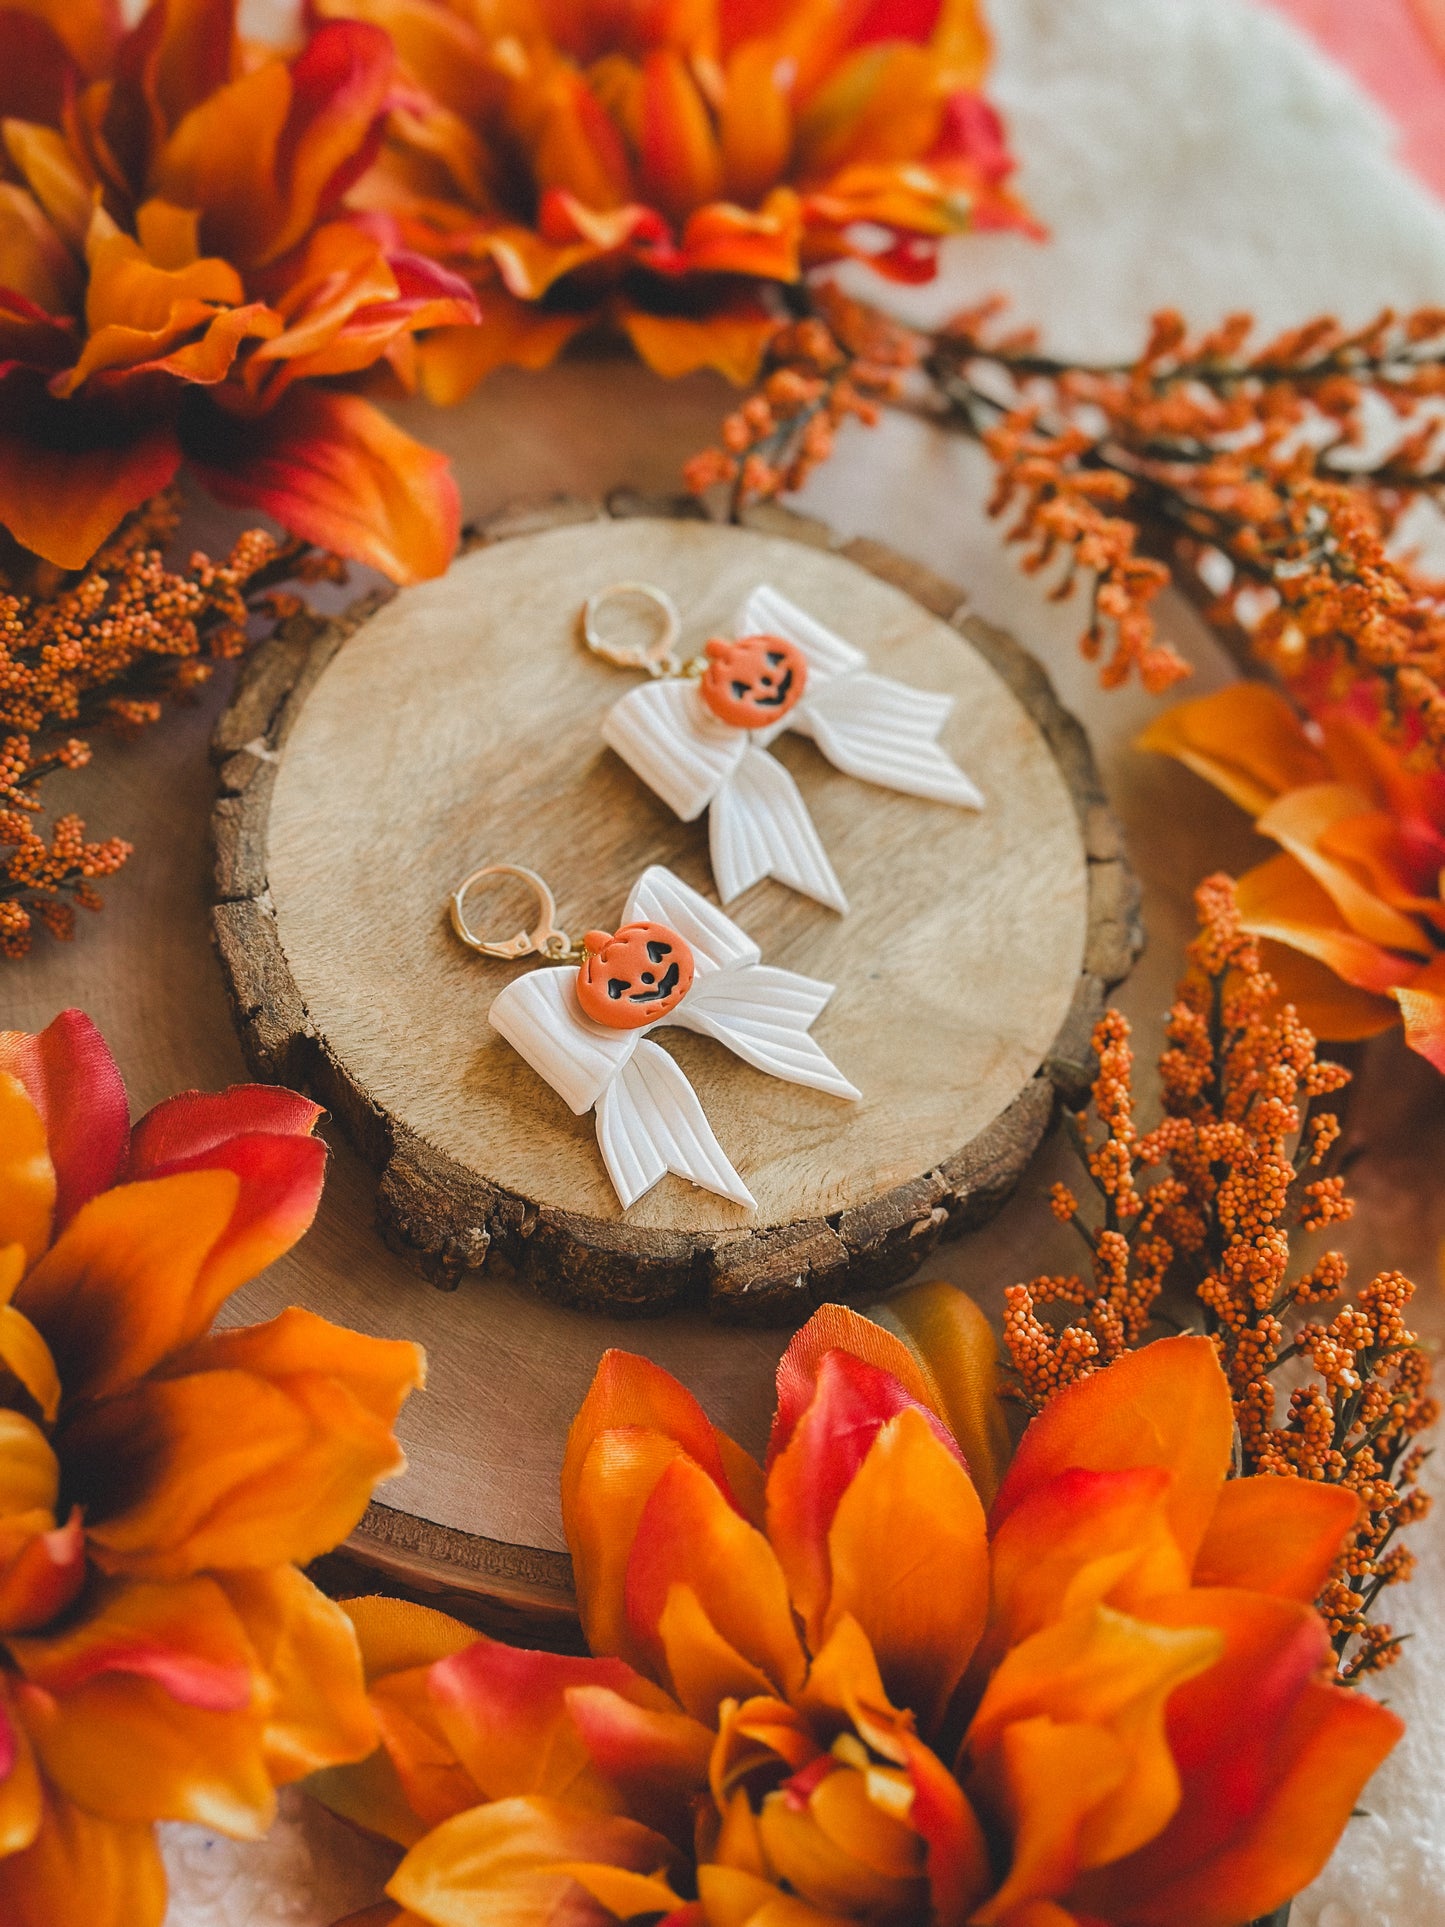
(635, 977)
(754, 681)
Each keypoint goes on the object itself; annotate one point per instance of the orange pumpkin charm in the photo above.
(633, 978)
(754, 681)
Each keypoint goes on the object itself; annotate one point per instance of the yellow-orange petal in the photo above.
(1246, 740)
(394, 1635)
(1333, 1009)
(29, 1470)
(63, 490)
(1109, 1671)
(681, 166)
(1052, 1777)
(734, 1897)
(230, 1468)
(756, 123)
(27, 1176)
(511, 333)
(23, 1352)
(704, 1669)
(959, 1350)
(731, 339)
(1167, 1404)
(84, 1871)
(316, 1706)
(1301, 822)
(835, 1874)
(1080, 1539)
(1280, 900)
(20, 1795)
(1422, 1005)
(509, 1856)
(1276, 1535)
(605, 1491)
(689, 1535)
(908, 1548)
(331, 467)
(114, 1293)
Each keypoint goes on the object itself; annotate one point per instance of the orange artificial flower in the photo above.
(1351, 908)
(661, 164)
(161, 1657)
(833, 1691)
(177, 269)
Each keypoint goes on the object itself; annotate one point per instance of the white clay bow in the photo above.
(868, 726)
(649, 1120)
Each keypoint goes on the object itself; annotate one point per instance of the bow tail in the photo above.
(759, 826)
(649, 1122)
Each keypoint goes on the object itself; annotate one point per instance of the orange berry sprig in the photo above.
(103, 648)
(839, 360)
(1239, 1152)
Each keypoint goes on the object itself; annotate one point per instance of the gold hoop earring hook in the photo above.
(544, 939)
(658, 657)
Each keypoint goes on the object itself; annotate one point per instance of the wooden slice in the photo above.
(459, 726)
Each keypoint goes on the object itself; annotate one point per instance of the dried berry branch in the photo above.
(1261, 480)
(1240, 1151)
(103, 649)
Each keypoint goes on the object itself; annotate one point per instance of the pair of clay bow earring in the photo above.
(698, 734)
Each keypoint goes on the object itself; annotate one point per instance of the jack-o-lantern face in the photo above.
(633, 978)
(754, 681)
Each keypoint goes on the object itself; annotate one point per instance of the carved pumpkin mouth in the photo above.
(779, 696)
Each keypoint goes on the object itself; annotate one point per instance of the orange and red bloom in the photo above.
(833, 1689)
(662, 165)
(161, 1657)
(178, 271)
(1350, 909)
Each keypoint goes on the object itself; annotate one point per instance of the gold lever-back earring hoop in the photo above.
(657, 657)
(543, 940)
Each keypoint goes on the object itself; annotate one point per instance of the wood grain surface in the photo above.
(366, 768)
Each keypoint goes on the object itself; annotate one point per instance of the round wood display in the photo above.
(459, 726)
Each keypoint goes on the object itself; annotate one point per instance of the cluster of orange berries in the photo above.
(103, 649)
(1235, 1147)
(836, 364)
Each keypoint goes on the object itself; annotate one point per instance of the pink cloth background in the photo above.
(1396, 50)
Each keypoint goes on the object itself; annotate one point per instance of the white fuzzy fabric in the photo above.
(1194, 153)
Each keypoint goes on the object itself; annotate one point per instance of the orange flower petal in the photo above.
(1167, 1404)
(1053, 1777)
(731, 339)
(508, 1856)
(1422, 1005)
(44, 1578)
(146, 1710)
(959, 1351)
(829, 1860)
(64, 486)
(704, 1669)
(83, 1871)
(279, 1175)
(20, 1796)
(645, 1749)
(395, 1635)
(1280, 900)
(1276, 1535)
(27, 1181)
(223, 159)
(908, 1550)
(1333, 1009)
(47, 161)
(29, 1469)
(116, 1291)
(723, 239)
(755, 124)
(1081, 1539)
(317, 1714)
(959, 1872)
(1247, 740)
(335, 470)
(23, 1352)
(1103, 1670)
(72, 1080)
(681, 165)
(806, 1481)
(1271, 1761)
(838, 1328)
(505, 1714)
(511, 333)
(689, 1535)
(1301, 822)
(265, 1451)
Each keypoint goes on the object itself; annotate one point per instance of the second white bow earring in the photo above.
(698, 734)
